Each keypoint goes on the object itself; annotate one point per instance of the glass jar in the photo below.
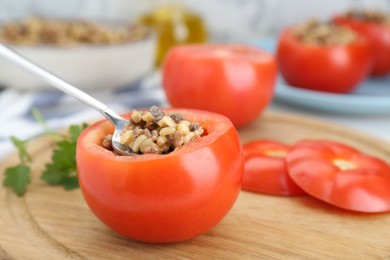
(174, 24)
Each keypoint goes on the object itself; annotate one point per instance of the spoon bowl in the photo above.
(55, 81)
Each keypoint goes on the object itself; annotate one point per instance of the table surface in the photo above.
(376, 126)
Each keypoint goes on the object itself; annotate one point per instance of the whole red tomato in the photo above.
(334, 68)
(234, 80)
(340, 175)
(379, 36)
(266, 170)
(163, 198)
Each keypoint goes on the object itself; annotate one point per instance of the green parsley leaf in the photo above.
(75, 131)
(17, 178)
(62, 168)
(71, 182)
(21, 147)
(54, 175)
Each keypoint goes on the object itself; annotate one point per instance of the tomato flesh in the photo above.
(163, 198)
(341, 175)
(336, 68)
(266, 170)
(234, 80)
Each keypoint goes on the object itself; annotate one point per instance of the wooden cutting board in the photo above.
(51, 223)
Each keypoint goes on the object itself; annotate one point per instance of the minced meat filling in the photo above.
(316, 32)
(374, 16)
(154, 132)
(34, 31)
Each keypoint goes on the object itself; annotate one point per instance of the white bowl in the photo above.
(85, 66)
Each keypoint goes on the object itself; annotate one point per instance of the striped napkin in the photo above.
(61, 110)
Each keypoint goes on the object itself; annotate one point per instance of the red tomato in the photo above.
(341, 175)
(265, 169)
(336, 68)
(234, 80)
(379, 36)
(163, 198)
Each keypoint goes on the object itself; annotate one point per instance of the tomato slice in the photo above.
(234, 80)
(340, 175)
(266, 170)
(163, 198)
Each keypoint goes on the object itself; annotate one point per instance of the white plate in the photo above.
(371, 97)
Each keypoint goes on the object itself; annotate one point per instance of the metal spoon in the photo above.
(118, 122)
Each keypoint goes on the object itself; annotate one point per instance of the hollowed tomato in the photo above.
(266, 170)
(163, 198)
(234, 80)
(379, 36)
(334, 68)
(341, 175)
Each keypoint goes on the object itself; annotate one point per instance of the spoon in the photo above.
(118, 121)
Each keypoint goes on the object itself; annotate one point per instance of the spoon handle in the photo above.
(57, 82)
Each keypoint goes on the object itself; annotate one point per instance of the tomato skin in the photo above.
(362, 188)
(163, 198)
(265, 173)
(237, 81)
(336, 69)
(378, 35)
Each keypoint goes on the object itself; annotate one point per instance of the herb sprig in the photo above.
(61, 170)
(18, 176)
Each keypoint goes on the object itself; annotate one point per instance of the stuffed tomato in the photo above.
(168, 197)
(323, 57)
(375, 27)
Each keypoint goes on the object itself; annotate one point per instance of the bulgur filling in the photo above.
(154, 132)
(34, 31)
(319, 33)
(374, 16)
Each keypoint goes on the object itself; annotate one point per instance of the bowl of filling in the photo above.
(86, 53)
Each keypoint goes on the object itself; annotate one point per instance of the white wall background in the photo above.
(227, 20)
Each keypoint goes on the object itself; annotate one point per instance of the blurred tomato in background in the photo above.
(375, 26)
(234, 80)
(324, 65)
